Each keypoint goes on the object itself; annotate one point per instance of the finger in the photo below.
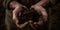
(40, 23)
(25, 7)
(19, 14)
(30, 21)
(19, 26)
(22, 25)
(35, 23)
(15, 20)
(32, 26)
(26, 22)
(32, 7)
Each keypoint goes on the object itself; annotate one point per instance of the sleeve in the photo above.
(6, 4)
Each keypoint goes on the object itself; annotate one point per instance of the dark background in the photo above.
(53, 11)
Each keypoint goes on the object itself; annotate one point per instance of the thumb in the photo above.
(31, 7)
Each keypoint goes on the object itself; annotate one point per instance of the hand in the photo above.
(40, 10)
(17, 9)
(17, 12)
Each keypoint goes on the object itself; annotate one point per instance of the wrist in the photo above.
(42, 3)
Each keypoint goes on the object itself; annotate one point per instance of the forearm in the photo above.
(43, 2)
(16, 12)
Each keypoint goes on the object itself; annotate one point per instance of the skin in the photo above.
(17, 8)
(38, 7)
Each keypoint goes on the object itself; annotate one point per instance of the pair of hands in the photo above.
(18, 13)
